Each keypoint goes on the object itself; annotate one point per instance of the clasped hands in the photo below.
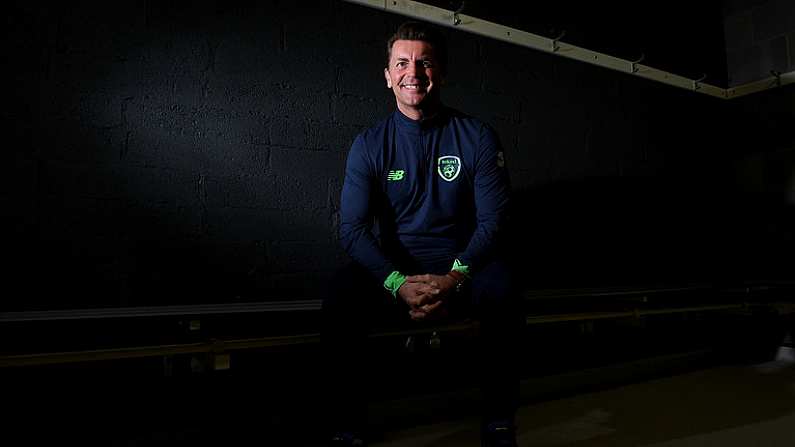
(426, 295)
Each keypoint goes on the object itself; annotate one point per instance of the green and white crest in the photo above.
(449, 166)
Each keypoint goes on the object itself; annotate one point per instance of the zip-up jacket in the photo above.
(423, 193)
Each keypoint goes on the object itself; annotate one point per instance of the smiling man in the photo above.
(414, 74)
(434, 181)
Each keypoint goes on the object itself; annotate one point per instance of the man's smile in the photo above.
(414, 75)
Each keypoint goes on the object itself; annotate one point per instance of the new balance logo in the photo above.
(394, 176)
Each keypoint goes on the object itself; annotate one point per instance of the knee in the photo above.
(345, 287)
(352, 300)
(493, 288)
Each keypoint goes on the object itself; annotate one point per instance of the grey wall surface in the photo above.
(194, 153)
(760, 38)
(760, 128)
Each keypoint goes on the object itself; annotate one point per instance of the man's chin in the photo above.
(414, 101)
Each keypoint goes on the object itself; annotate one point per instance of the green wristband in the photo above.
(461, 268)
(394, 281)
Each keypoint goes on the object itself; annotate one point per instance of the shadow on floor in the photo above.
(720, 406)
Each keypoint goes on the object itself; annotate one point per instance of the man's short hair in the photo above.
(424, 32)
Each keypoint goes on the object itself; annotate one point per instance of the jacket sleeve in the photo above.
(356, 213)
(492, 194)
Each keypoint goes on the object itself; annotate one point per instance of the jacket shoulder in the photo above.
(466, 120)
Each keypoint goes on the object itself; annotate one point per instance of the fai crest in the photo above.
(449, 167)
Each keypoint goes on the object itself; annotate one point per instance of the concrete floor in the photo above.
(727, 406)
(676, 401)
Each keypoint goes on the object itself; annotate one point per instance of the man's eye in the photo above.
(427, 64)
(401, 64)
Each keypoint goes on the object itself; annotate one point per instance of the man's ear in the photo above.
(388, 79)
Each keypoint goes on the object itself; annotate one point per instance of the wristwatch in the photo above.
(458, 277)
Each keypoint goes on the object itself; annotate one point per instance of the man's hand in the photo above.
(417, 293)
(425, 295)
(445, 284)
(433, 311)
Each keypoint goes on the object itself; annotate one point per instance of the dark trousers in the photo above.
(358, 304)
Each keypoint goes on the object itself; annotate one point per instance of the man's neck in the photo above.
(420, 114)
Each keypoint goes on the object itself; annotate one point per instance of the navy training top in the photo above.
(436, 190)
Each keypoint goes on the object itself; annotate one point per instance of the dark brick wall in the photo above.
(194, 153)
(760, 129)
(760, 38)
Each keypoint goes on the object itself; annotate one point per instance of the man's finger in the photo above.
(418, 301)
(428, 308)
(419, 278)
(417, 294)
(427, 299)
(428, 290)
(435, 311)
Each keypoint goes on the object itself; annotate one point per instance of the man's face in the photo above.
(414, 75)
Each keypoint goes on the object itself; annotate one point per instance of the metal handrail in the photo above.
(316, 304)
(627, 314)
(160, 311)
(221, 346)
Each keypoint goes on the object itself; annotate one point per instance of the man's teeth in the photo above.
(411, 86)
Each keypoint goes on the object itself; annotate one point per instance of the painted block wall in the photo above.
(193, 153)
